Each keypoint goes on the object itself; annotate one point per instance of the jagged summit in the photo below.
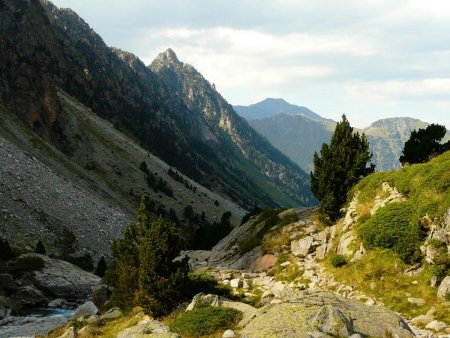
(167, 57)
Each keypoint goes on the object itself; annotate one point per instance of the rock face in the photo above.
(326, 315)
(61, 279)
(444, 288)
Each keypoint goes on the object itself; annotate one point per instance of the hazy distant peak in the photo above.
(395, 121)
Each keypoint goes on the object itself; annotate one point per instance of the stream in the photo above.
(37, 321)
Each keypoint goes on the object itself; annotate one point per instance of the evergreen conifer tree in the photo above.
(40, 249)
(162, 282)
(339, 167)
(424, 144)
(101, 267)
(123, 274)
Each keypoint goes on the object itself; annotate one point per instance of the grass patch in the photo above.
(206, 320)
(380, 274)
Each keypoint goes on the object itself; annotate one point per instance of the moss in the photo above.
(206, 320)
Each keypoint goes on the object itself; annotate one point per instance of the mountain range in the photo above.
(113, 129)
(298, 132)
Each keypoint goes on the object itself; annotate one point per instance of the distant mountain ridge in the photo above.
(299, 136)
(270, 107)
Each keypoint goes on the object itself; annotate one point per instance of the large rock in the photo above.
(332, 321)
(85, 310)
(29, 296)
(296, 318)
(62, 279)
(8, 283)
(148, 327)
(302, 247)
(99, 295)
(444, 288)
(201, 299)
(111, 314)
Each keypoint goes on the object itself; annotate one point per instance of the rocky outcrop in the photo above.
(444, 288)
(326, 315)
(60, 279)
(148, 327)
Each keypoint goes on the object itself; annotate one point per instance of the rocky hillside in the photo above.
(65, 53)
(298, 136)
(391, 249)
(95, 191)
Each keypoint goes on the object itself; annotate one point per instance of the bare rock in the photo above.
(29, 296)
(111, 314)
(99, 294)
(332, 321)
(228, 334)
(422, 320)
(302, 247)
(58, 302)
(444, 288)
(436, 326)
(202, 299)
(85, 310)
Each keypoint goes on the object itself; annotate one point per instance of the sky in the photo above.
(368, 59)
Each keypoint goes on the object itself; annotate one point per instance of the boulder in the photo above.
(58, 302)
(236, 283)
(62, 279)
(421, 320)
(417, 301)
(302, 247)
(444, 288)
(436, 326)
(111, 314)
(228, 334)
(333, 322)
(148, 328)
(8, 283)
(203, 300)
(29, 296)
(99, 295)
(264, 263)
(85, 310)
(299, 317)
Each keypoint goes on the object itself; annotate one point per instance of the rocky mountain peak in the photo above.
(167, 57)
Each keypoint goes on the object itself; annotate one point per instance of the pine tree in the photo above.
(162, 282)
(123, 273)
(101, 267)
(424, 144)
(40, 249)
(339, 167)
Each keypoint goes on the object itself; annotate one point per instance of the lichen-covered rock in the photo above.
(148, 327)
(302, 247)
(444, 288)
(85, 310)
(332, 321)
(111, 314)
(296, 318)
(203, 300)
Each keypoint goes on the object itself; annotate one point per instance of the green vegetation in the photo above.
(5, 250)
(392, 228)
(203, 282)
(380, 274)
(143, 271)
(340, 166)
(206, 320)
(101, 268)
(424, 144)
(426, 187)
(337, 261)
(40, 249)
(25, 264)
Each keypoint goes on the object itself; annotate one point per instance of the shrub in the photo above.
(40, 249)
(206, 321)
(338, 260)
(25, 264)
(391, 228)
(5, 250)
(203, 282)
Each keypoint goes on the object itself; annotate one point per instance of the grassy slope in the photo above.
(380, 272)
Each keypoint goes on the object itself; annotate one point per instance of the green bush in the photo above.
(25, 264)
(391, 228)
(338, 260)
(206, 321)
(203, 282)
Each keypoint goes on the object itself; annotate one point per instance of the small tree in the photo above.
(123, 273)
(424, 144)
(40, 249)
(339, 167)
(101, 267)
(5, 250)
(162, 281)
